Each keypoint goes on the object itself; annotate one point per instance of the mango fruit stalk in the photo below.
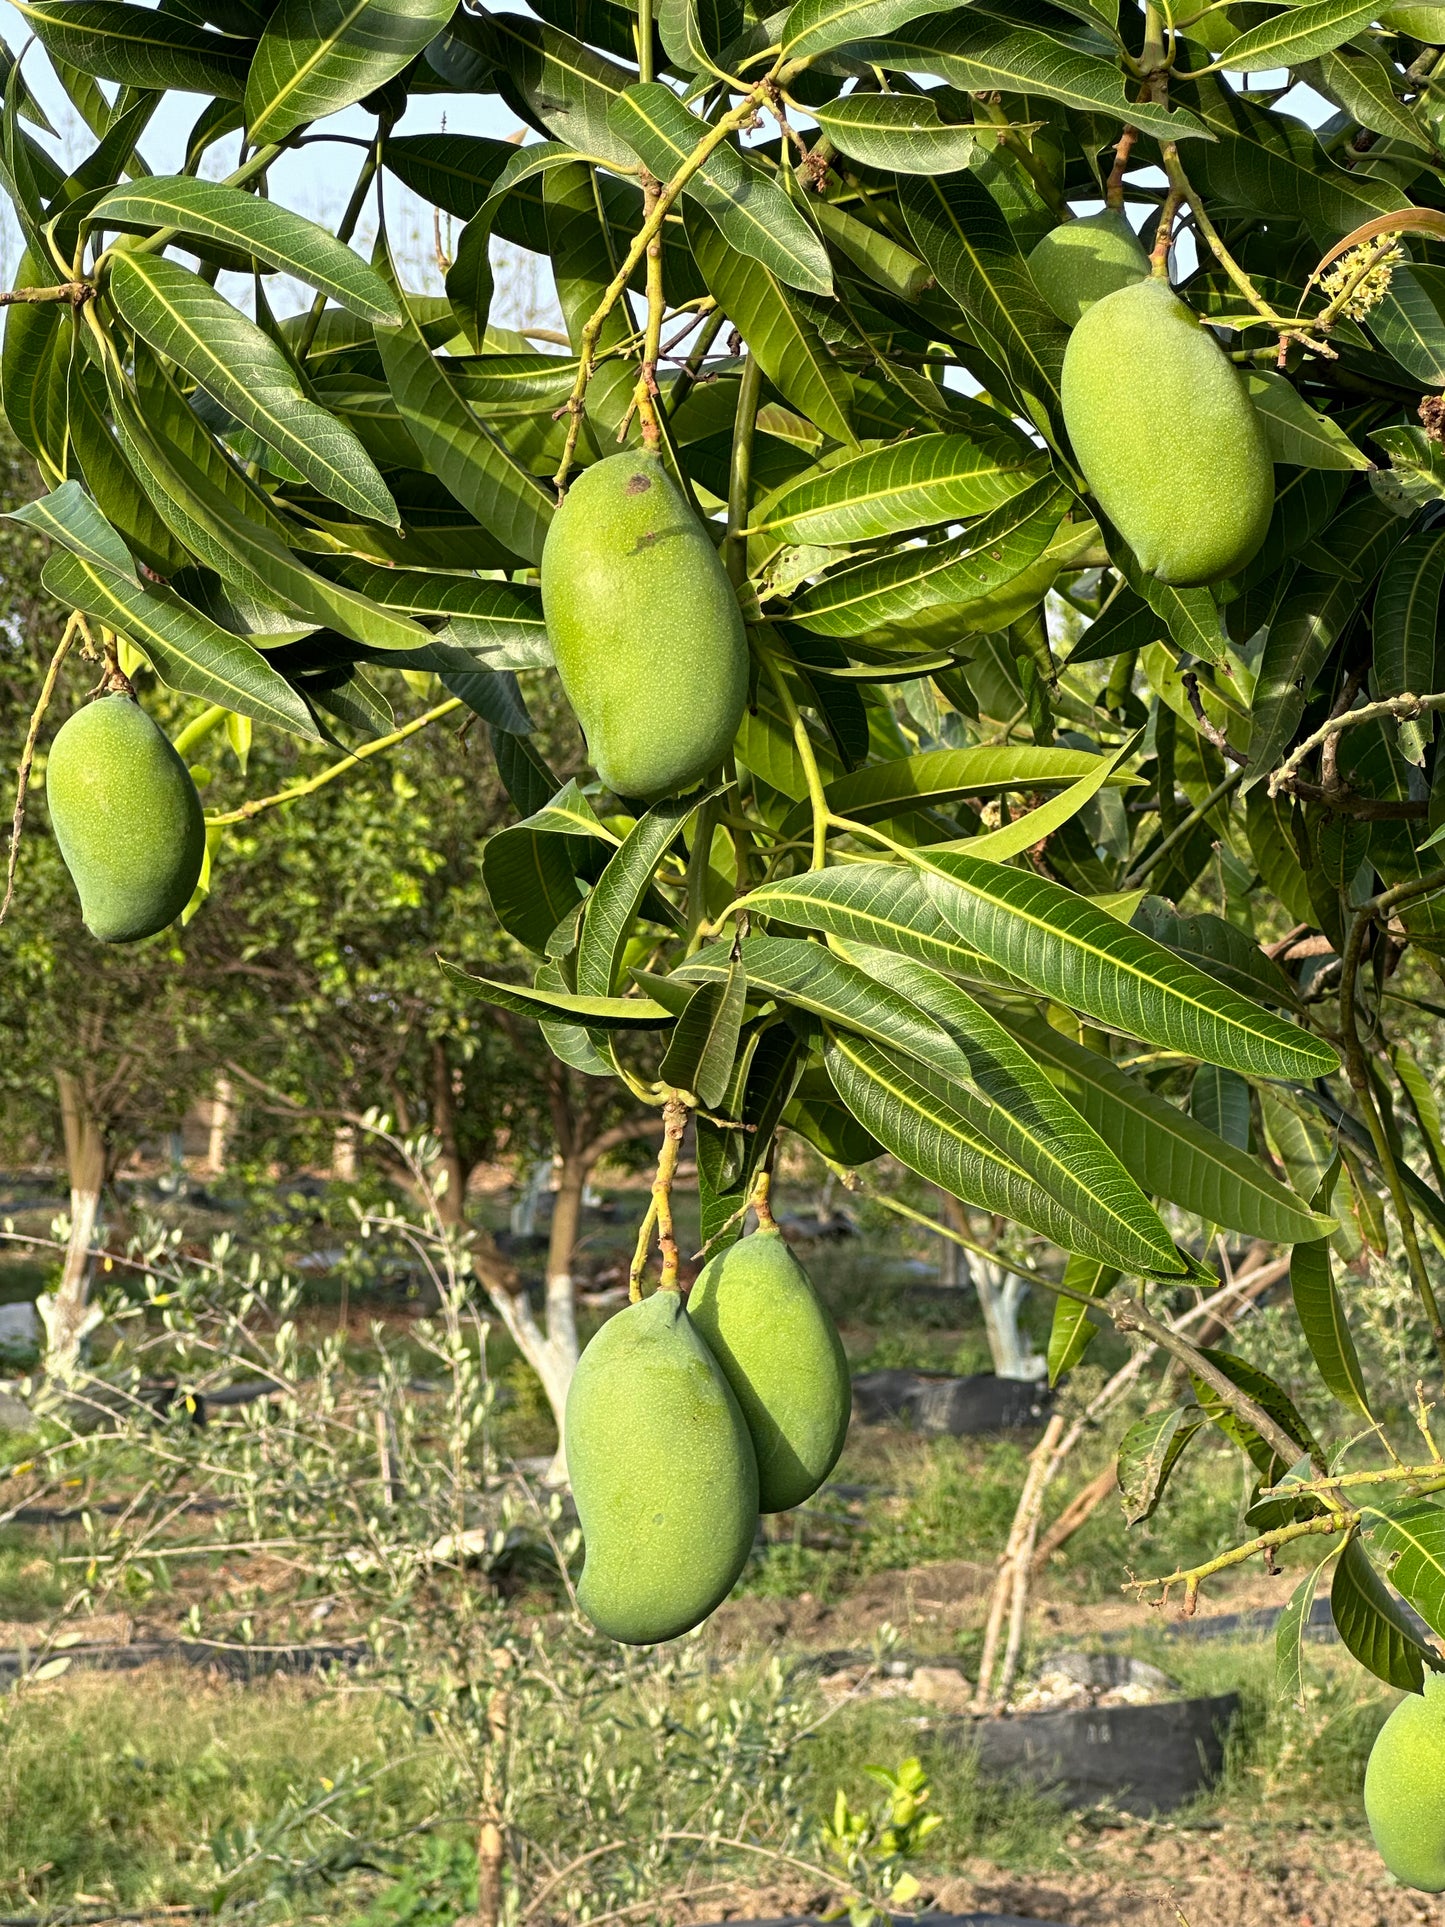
(646, 631)
(780, 1351)
(1405, 1789)
(1166, 435)
(126, 817)
(663, 1474)
(1079, 262)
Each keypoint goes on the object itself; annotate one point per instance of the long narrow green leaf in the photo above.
(1033, 1125)
(184, 319)
(186, 649)
(318, 56)
(138, 46)
(1411, 1535)
(1071, 1330)
(243, 551)
(285, 241)
(1080, 956)
(1322, 1319)
(1148, 1454)
(68, 516)
(891, 588)
(596, 1013)
(464, 454)
(912, 1111)
(1406, 627)
(1297, 35)
(617, 896)
(789, 349)
(901, 132)
(814, 26)
(1027, 830)
(1289, 1635)
(754, 214)
(700, 1054)
(912, 485)
(1374, 1626)
(1168, 1151)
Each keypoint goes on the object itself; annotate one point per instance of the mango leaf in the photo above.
(1411, 1535)
(1374, 1626)
(1148, 1454)
(1218, 947)
(1219, 1102)
(912, 485)
(1269, 1396)
(903, 133)
(1298, 434)
(68, 516)
(286, 242)
(752, 212)
(185, 648)
(464, 454)
(1037, 824)
(527, 1000)
(695, 32)
(1296, 35)
(1033, 1125)
(618, 893)
(184, 319)
(1406, 625)
(1072, 1330)
(816, 26)
(530, 873)
(139, 46)
(939, 776)
(964, 236)
(913, 1111)
(1289, 1635)
(880, 903)
(243, 550)
(789, 349)
(1082, 957)
(1357, 79)
(564, 86)
(499, 622)
(1168, 1151)
(318, 56)
(961, 568)
(983, 55)
(1322, 1320)
(700, 1054)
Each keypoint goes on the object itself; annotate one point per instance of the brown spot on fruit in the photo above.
(637, 484)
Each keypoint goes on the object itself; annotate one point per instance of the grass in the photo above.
(134, 1788)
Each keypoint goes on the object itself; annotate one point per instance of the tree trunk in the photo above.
(451, 1170)
(1000, 1297)
(65, 1314)
(223, 1113)
(343, 1153)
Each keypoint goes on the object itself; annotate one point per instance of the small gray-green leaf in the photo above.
(703, 1046)
(68, 516)
(901, 132)
(1148, 1453)
(1299, 435)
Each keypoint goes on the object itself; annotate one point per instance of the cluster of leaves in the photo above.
(274, 512)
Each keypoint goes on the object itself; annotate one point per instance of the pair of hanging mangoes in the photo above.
(685, 1421)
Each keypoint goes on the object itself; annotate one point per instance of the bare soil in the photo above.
(1153, 1875)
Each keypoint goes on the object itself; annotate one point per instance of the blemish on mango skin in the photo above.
(637, 485)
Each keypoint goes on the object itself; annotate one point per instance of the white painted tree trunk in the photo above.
(65, 1313)
(223, 1114)
(1000, 1297)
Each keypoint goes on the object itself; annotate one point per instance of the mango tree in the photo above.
(1075, 835)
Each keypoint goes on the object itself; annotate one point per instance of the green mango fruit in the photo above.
(663, 1474)
(1405, 1789)
(127, 819)
(777, 1344)
(645, 628)
(1079, 262)
(1166, 435)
